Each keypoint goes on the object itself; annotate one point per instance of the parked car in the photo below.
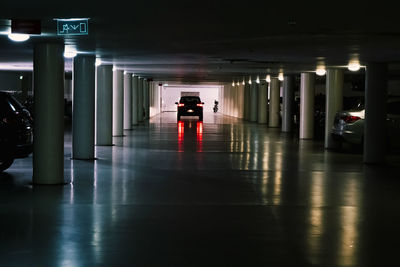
(349, 124)
(16, 130)
(190, 106)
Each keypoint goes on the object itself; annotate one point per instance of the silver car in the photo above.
(348, 125)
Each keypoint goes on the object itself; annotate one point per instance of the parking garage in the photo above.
(115, 179)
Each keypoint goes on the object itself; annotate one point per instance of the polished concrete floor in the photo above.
(219, 193)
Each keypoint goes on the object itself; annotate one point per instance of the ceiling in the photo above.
(214, 40)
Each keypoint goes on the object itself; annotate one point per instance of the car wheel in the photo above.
(5, 163)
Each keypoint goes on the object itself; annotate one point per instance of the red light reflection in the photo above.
(199, 136)
(181, 133)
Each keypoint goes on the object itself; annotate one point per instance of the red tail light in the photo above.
(181, 105)
(200, 105)
(350, 119)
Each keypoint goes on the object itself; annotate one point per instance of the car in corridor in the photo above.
(16, 130)
(190, 106)
(348, 125)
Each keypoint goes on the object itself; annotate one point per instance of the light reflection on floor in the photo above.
(222, 192)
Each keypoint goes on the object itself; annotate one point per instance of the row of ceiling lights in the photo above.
(354, 65)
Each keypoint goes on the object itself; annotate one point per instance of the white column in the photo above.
(48, 145)
(83, 107)
(375, 135)
(287, 103)
(274, 105)
(127, 101)
(253, 102)
(307, 95)
(262, 102)
(118, 103)
(334, 101)
(104, 103)
(246, 101)
(146, 98)
(140, 100)
(135, 99)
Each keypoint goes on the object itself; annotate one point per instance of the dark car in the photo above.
(16, 130)
(190, 106)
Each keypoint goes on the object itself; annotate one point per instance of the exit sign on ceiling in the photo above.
(72, 27)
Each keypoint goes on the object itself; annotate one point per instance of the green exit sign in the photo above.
(72, 27)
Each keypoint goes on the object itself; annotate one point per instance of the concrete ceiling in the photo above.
(214, 40)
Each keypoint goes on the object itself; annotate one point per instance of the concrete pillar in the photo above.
(262, 102)
(253, 102)
(104, 101)
(135, 96)
(334, 101)
(307, 95)
(146, 98)
(274, 103)
(48, 145)
(127, 101)
(246, 102)
(140, 100)
(83, 107)
(118, 103)
(287, 103)
(375, 132)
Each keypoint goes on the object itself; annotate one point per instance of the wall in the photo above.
(172, 94)
(155, 98)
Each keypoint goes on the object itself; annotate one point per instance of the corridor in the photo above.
(220, 193)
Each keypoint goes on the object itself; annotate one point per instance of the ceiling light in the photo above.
(69, 54)
(238, 83)
(98, 62)
(320, 71)
(233, 83)
(354, 65)
(280, 76)
(268, 78)
(258, 79)
(243, 82)
(21, 77)
(250, 80)
(18, 37)
(166, 84)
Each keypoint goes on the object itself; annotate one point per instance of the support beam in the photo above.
(127, 101)
(104, 103)
(83, 107)
(135, 99)
(118, 103)
(140, 100)
(287, 103)
(48, 145)
(334, 101)
(307, 95)
(253, 102)
(375, 132)
(274, 105)
(262, 102)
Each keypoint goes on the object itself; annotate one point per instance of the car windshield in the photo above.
(187, 99)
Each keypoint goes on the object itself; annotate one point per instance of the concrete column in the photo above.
(48, 145)
(104, 103)
(135, 96)
(83, 107)
(246, 102)
(375, 132)
(274, 103)
(253, 102)
(146, 97)
(287, 103)
(127, 101)
(262, 102)
(140, 100)
(307, 95)
(118, 103)
(334, 101)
